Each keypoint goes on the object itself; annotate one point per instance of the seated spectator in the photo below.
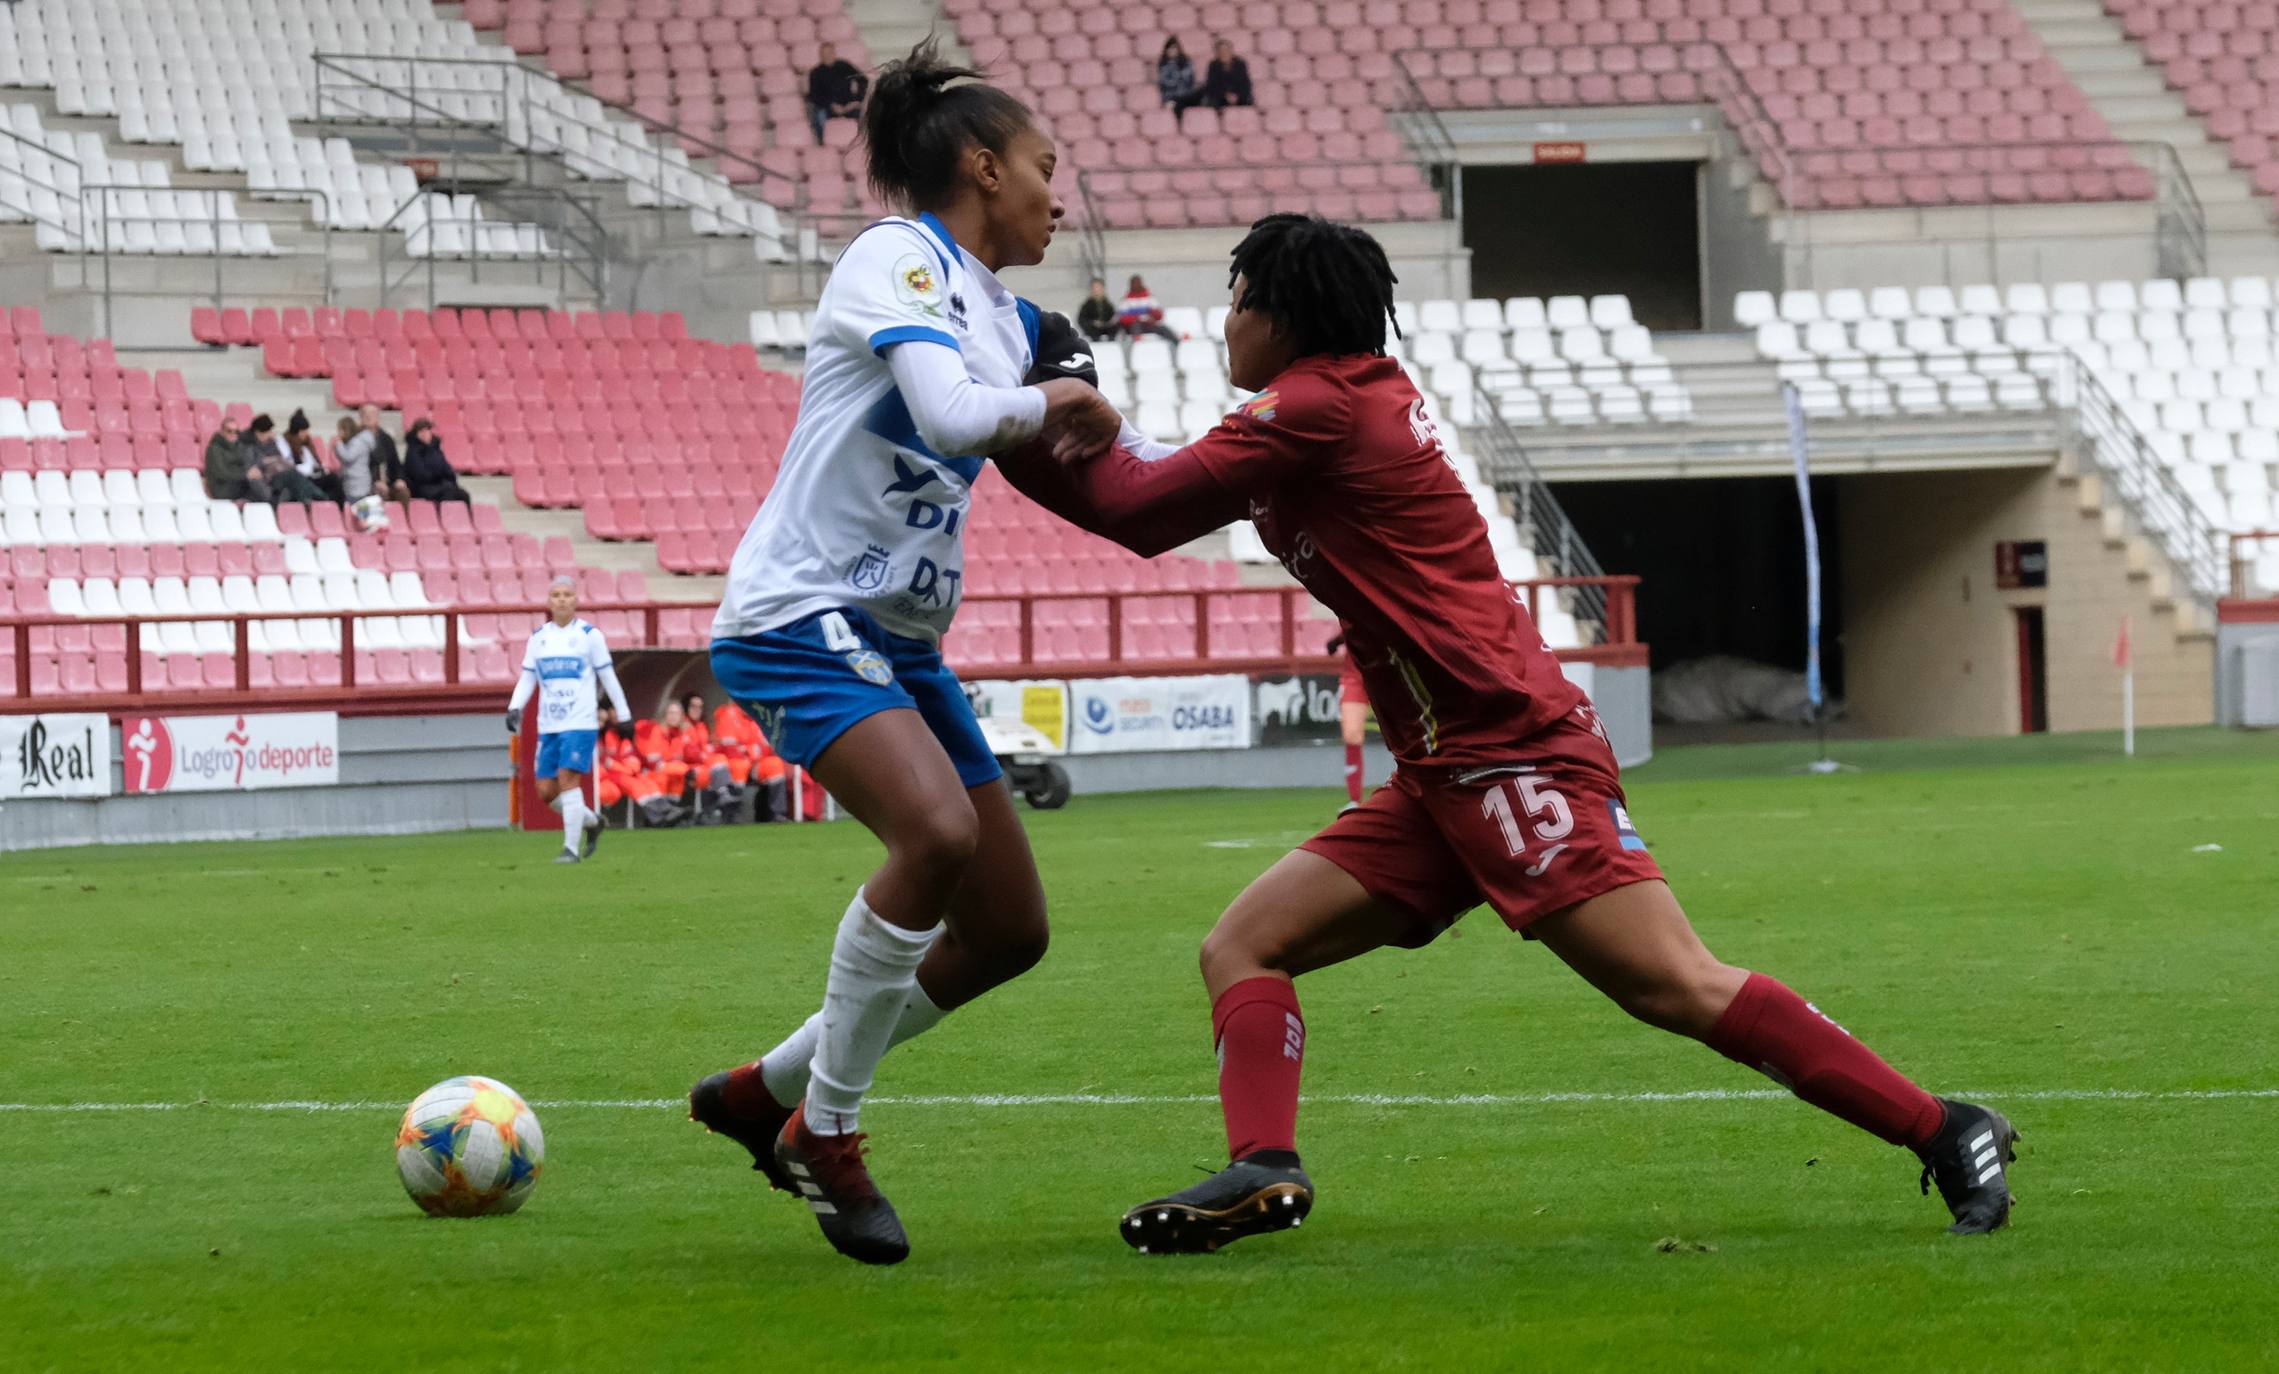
(679, 751)
(1139, 314)
(269, 466)
(1097, 316)
(227, 469)
(1227, 80)
(352, 449)
(835, 89)
(308, 460)
(621, 778)
(1175, 78)
(737, 735)
(427, 472)
(387, 466)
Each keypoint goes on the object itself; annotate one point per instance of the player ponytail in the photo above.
(1327, 287)
(917, 126)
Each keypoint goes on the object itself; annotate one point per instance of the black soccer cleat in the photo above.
(567, 856)
(1968, 1160)
(754, 1129)
(1246, 1198)
(593, 837)
(828, 1173)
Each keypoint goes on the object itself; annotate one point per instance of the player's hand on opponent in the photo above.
(1079, 422)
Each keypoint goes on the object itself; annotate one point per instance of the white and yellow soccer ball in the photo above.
(469, 1147)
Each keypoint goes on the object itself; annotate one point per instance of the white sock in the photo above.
(873, 968)
(573, 809)
(785, 1068)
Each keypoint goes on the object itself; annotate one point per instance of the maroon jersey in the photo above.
(1352, 490)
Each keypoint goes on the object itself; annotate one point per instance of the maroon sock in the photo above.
(1353, 771)
(1262, 1041)
(1776, 1032)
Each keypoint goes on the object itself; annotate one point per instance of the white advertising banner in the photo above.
(1040, 703)
(230, 753)
(1129, 714)
(54, 756)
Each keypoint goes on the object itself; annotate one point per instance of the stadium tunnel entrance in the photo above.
(1723, 566)
(1628, 228)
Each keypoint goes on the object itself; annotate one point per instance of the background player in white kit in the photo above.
(830, 632)
(565, 659)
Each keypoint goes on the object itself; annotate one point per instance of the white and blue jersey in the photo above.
(567, 662)
(864, 515)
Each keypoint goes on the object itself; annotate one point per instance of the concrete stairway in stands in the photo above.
(2110, 68)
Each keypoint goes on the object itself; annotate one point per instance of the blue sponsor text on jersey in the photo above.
(553, 666)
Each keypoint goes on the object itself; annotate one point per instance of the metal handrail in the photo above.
(1618, 641)
(71, 227)
(104, 250)
(591, 264)
(654, 144)
(1544, 525)
(2180, 232)
(1428, 139)
(2153, 499)
(2240, 584)
(1091, 234)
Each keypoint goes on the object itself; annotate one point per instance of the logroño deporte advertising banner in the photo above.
(230, 753)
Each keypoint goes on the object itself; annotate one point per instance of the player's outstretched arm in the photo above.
(1148, 507)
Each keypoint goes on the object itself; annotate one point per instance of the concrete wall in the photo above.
(2243, 668)
(1931, 647)
(398, 776)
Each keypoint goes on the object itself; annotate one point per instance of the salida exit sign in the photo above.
(1560, 152)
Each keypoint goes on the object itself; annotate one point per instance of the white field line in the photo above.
(1002, 1100)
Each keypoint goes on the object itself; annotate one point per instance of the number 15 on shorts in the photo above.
(1529, 807)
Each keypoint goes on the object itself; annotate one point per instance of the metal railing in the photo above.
(1428, 139)
(68, 218)
(102, 238)
(2153, 501)
(411, 245)
(1544, 526)
(535, 114)
(2243, 564)
(1616, 641)
(1804, 181)
(1091, 229)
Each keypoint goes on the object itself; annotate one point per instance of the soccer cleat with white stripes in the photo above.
(827, 1173)
(1247, 1198)
(1969, 1159)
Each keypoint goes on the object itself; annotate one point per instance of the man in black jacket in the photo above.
(1227, 80)
(834, 89)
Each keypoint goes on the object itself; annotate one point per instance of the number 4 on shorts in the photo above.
(1553, 819)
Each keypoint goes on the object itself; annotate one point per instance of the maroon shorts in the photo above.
(1532, 836)
(1351, 690)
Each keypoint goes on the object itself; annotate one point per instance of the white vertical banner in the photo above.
(1799, 448)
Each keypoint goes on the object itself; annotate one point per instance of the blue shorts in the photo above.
(565, 751)
(812, 680)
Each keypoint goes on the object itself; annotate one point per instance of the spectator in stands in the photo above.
(1097, 316)
(269, 466)
(738, 736)
(835, 89)
(1227, 80)
(426, 471)
(308, 460)
(227, 468)
(387, 464)
(1175, 78)
(621, 777)
(1140, 314)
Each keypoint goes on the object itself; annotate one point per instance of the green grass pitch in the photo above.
(2036, 922)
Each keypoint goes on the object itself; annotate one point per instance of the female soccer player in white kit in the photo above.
(841, 590)
(564, 660)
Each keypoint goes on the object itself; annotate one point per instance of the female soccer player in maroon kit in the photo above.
(1506, 792)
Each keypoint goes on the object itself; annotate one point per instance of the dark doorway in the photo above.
(2033, 686)
(1723, 565)
(1617, 228)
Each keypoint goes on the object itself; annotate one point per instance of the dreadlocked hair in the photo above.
(1328, 287)
(923, 113)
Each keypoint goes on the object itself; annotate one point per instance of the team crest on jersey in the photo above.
(915, 284)
(1261, 406)
(869, 571)
(870, 667)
